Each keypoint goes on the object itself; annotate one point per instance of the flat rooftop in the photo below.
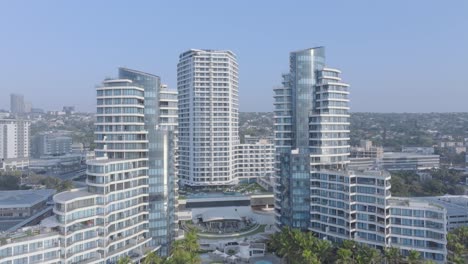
(413, 203)
(454, 204)
(73, 194)
(24, 198)
(27, 234)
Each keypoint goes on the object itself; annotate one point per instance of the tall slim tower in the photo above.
(311, 131)
(17, 104)
(160, 109)
(207, 82)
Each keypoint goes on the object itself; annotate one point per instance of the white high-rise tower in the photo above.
(207, 82)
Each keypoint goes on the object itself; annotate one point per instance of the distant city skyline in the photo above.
(400, 56)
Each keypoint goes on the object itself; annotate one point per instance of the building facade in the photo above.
(17, 104)
(403, 161)
(128, 206)
(420, 226)
(207, 83)
(316, 190)
(31, 245)
(255, 160)
(50, 144)
(366, 150)
(311, 131)
(160, 122)
(456, 206)
(109, 218)
(14, 139)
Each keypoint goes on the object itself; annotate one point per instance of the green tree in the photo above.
(152, 258)
(345, 256)
(9, 182)
(185, 250)
(65, 186)
(414, 257)
(371, 255)
(322, 249)
(393, 255)
(283, 244)
(299, 247)
(309, 257)
(124, 260)
(457, 244)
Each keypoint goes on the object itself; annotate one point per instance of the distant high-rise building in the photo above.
(37, 110)
(27, 107)
(68, 110)
(160, 107)
(17, 103)
(207, 82)
(50, 144)
(14, 138)
(316, 191)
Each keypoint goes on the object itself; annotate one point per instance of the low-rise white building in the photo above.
(255, 160)
(399, 161)
(417, 225)
(29, 245)
(456, 206)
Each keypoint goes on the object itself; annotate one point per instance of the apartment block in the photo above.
(317, 190)
(207, 83)
(255, 160)
(14, 144)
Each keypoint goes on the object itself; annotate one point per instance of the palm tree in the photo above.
(372, 255)
(186, 250)
(309, 258)
(414, 257)
(393, 255)
(286, 244)
(349, 244)
(344, 256)
(124, 260)
(152, 258)
(322, 249)
(191, 242)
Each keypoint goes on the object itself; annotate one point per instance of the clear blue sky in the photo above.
(399, 56)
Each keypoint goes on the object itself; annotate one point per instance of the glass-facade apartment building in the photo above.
(160, 111)
(128, 205)
(311, 131)
(316, 191)
(109, 219)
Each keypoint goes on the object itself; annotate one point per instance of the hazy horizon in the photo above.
(398, 56)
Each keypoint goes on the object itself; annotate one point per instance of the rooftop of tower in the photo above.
(138, 72)
(190, 51)
(314, 48)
